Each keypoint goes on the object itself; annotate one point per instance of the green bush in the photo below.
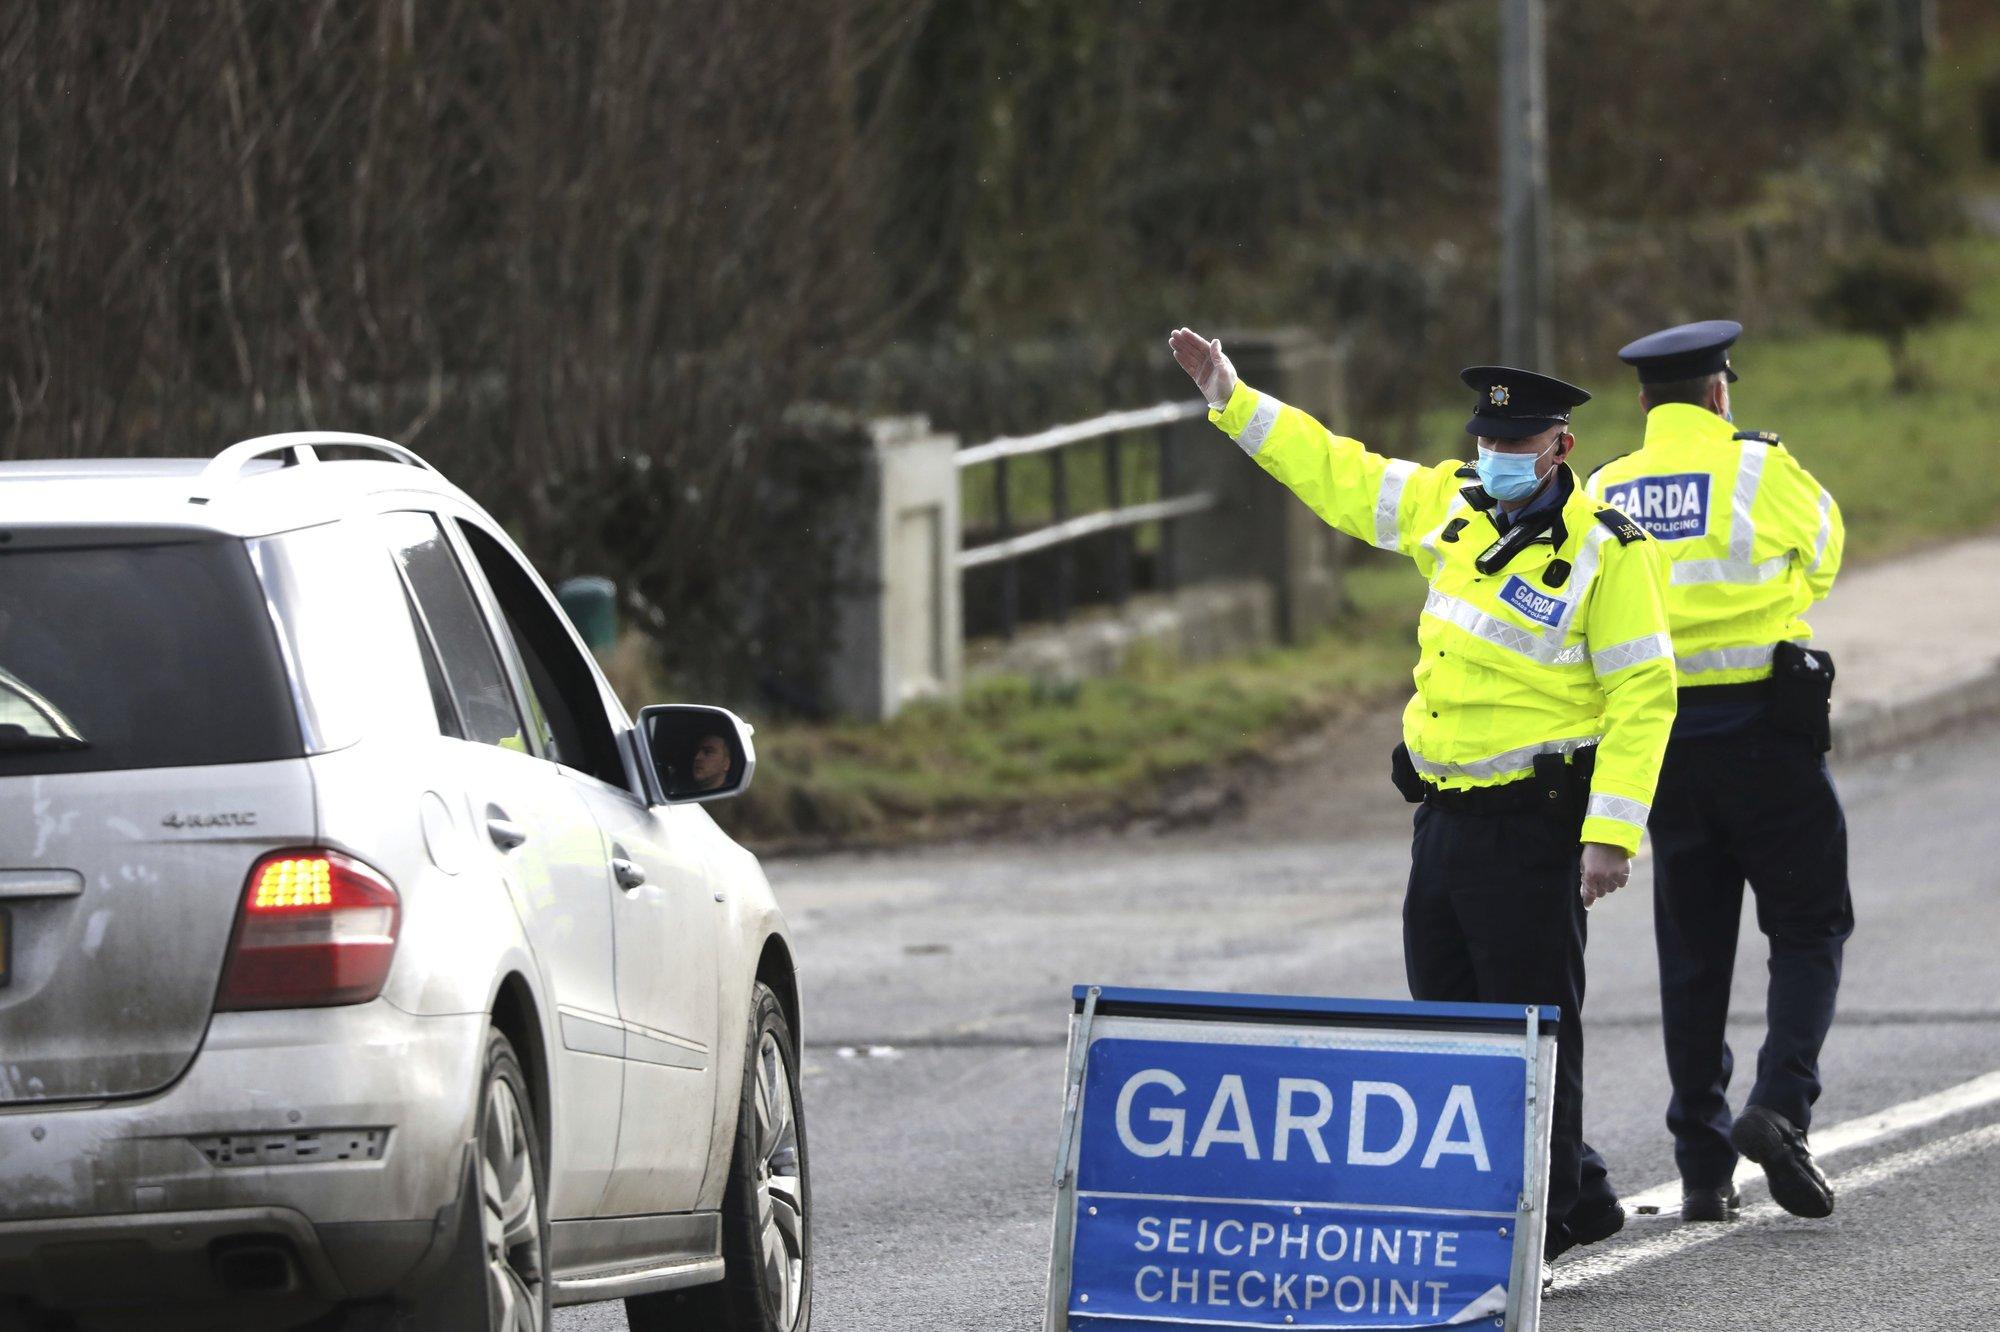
(1889, 294)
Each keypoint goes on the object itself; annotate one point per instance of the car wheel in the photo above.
(513, 1195)
(494, 1278)
(766, 1207)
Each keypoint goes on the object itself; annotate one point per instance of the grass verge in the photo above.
(1908, 469)
(1015, 752)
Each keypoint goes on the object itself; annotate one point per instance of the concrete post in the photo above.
(901, 629)
(1258, 529)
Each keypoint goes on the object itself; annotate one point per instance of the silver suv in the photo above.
(361, 963)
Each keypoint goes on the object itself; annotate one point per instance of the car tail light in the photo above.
(315, 928)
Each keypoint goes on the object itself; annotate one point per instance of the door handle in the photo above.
(629, 874)
(506, 833)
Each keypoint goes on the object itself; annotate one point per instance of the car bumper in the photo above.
(335, 1136)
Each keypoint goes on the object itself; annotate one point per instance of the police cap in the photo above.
(1515, 404)
(1685, 351)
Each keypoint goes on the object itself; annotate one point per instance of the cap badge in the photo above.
(1498, 395)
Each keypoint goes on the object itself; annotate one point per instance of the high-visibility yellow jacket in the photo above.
(1564, 646)
(1752, 539)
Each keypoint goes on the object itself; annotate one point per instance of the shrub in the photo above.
(1889, 294)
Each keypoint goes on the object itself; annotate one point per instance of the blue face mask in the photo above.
(1508, 476)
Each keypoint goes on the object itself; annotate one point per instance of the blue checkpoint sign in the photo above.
(1253, 1161)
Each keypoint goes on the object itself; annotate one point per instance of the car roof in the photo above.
(272, 484)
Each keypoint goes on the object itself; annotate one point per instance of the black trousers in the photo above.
(1755, 804)
(1492, 915)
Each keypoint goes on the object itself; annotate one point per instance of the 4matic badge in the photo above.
(243, 818)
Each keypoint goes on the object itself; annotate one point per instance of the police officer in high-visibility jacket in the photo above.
(1753, 541)
(1545, 691)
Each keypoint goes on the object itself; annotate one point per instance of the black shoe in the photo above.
(1598, 1223)
(1586, 1225)
(1772, 1141)
(1719, 1204)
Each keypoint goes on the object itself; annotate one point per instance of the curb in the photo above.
(1871, 728)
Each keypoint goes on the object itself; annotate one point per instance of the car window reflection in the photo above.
(27, 715)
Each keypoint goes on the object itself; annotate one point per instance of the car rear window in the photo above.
(146, 656)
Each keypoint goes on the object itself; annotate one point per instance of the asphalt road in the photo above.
(937, 986)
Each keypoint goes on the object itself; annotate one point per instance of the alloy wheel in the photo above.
(781, 1210)
(511, 1215)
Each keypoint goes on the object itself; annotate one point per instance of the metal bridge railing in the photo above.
(1113, 433)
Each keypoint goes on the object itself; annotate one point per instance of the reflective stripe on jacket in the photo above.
(1513, 664)
(1752, 539)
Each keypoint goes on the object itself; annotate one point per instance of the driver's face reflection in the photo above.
(710, 765)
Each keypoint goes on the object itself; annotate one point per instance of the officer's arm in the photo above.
(1633, 654)
(1383, 501)
(1810, 522)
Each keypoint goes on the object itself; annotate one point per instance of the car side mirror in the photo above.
(696, 753)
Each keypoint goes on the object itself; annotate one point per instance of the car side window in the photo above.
(471, 665)
(564, 688)
(441, 700)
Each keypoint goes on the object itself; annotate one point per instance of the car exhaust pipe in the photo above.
(256, 1265)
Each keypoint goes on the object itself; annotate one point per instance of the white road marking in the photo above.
(1849, 1134)
(1596, 1267)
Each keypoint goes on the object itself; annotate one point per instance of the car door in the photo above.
(543, 846)
(665, 918)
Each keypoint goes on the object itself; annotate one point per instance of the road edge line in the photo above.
(1860, 1131)
(1597, 1267)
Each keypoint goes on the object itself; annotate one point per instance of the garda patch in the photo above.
(1672, 508)
(1538, 606)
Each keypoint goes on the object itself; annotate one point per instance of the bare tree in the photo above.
(565, 250)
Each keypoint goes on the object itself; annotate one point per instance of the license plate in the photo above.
(6, 947)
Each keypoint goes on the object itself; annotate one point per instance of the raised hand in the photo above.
(1206, 365)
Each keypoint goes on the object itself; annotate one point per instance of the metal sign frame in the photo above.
(1099, 1011)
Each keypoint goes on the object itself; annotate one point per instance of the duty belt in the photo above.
(1555, 786)
(1698, 696)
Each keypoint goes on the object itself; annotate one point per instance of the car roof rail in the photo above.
(227, 466)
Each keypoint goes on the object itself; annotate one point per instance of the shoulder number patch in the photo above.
(1758, 436)
(1621, 526)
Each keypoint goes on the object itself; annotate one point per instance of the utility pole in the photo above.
(1524, 188)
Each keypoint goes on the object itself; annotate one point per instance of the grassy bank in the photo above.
(1013, 751)
(1908, 469)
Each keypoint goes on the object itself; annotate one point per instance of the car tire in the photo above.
(495, 1276)
(766, 1206)
(509, 1213)
(468, 1292)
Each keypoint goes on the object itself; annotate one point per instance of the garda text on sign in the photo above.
(1250, 1161)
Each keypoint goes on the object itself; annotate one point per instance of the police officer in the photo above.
(1545, 691)
(1744, 792)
